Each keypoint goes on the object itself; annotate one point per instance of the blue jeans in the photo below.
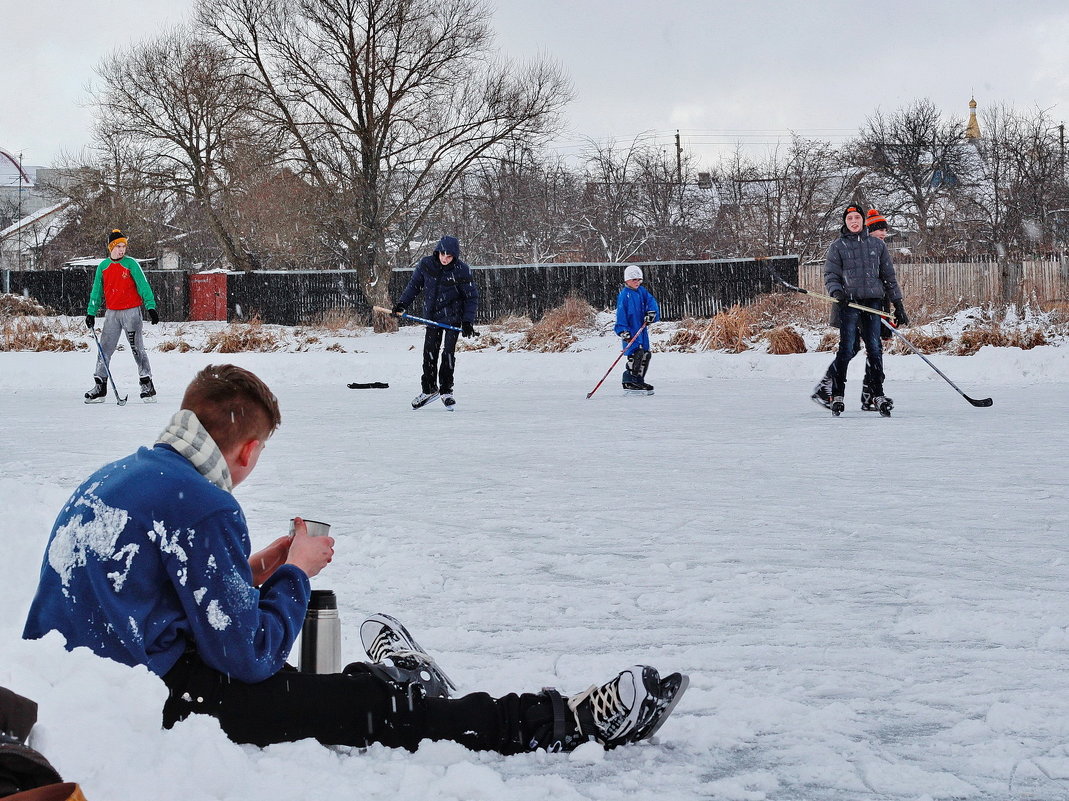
(851, 323)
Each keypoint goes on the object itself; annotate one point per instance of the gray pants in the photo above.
(115, 322)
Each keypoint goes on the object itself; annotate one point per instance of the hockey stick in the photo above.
(978, 402)
(408, 316)
(369, 385)
(630, 344)
(107, 369)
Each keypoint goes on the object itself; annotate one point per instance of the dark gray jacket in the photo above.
(860, 265)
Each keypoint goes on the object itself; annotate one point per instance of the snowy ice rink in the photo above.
(868, 608)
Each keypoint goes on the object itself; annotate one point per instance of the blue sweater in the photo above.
(631, 308)
(148, 558)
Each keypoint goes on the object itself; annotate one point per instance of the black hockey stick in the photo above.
(107, 369)
(369, 385)
(978, 402)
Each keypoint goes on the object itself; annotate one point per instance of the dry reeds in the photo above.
(337, 319)
(19, 306)
(829, 342)
(729, 330)
(35, 334)
(925, 343)
(243, 337)
(512, 324)
(973, 339)
(784, 339)
(686, 336)
(554, 332)
(177, 344)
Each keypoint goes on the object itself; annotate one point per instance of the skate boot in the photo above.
(98, 392)
(423, 398)
(881, 404)
(148, 391)
(449, 400)
(630, 707)
(822, 393)
(872, 403)
(394, 652)
(837, 405)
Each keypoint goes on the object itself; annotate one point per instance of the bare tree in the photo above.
(788, 203)
(186, 108)
(918, 164)
(385, 104)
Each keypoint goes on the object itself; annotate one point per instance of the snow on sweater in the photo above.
(149, 558)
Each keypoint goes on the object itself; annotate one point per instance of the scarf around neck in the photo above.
(187, 436)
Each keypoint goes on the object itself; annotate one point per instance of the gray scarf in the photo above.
(187, 436)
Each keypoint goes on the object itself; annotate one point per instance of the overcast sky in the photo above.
(719, 72)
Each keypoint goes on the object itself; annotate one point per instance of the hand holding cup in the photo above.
(309, 551)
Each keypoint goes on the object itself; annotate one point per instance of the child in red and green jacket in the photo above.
(120, 286)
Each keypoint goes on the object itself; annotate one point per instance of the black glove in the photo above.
(651, 316)
(90, 320)
(467, 329)
(398, 309)
(625, 336)
(153, 316)
(901, 318)
(840, 297)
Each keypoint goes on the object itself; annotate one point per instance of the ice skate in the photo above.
(630, 707)
(837, 405)
(98, 392)
(876, 403)
(423, 398)
(449, 401)
(882, 404)
(148, 391)
(389, 645)
(822, 393)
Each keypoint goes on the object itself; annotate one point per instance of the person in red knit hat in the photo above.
(121, 288)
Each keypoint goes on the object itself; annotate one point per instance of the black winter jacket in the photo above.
(860, 265)
(449, 293)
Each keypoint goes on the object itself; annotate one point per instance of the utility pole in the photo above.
(18, 253)
(679, 159)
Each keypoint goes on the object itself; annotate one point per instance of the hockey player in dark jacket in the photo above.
(858, 270)
(876, 225)
(449, 297)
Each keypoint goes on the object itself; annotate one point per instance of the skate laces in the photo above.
(386, 645)
(605, 704)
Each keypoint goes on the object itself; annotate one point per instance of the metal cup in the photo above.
(315, 528)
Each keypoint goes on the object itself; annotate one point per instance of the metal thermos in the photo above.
(321, 635)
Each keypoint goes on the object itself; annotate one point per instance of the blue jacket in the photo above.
(631, 308)
(449, 293)
(149, 558)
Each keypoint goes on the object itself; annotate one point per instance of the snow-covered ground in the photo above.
(868, 608)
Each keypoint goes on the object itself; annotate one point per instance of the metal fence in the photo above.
(293, 297)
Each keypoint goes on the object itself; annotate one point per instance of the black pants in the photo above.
(852, 323)
(435, 379)
(352, 708)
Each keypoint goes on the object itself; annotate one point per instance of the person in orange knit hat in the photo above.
(121, 288)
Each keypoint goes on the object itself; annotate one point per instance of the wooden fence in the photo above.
(953, 284)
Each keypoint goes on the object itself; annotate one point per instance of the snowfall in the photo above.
(867, 608)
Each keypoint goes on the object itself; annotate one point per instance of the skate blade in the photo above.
(637, 392)
(94, 400)
(431, 399)
(684, 682)
(149, 400)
